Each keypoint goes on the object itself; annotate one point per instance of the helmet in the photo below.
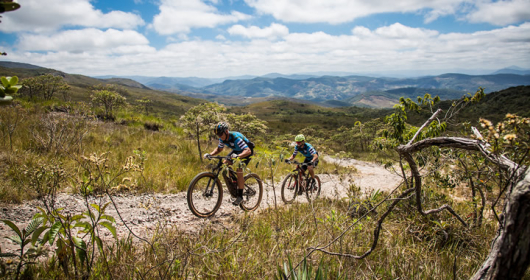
(220, 128)
(299, 138)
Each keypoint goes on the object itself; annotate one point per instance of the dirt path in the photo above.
(143, 213)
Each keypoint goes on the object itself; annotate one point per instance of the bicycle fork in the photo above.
(208, 192)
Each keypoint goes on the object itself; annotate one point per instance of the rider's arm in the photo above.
(315, 157)
(245, 153)
(216, 151)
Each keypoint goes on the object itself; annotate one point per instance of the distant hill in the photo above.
(366, 91)
(513, 70)
(9, 64)
(329, 91)
(166, 103)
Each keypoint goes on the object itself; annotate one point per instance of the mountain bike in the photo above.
(296, 184)
(205, 192)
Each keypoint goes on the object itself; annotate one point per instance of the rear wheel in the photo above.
(313, 190)
(205, 195)
(289, 189)
(252, 193)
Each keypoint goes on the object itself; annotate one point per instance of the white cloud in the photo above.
(272, 32)
(180, 16)
(341, 11)
(398, 31)
(86, 40)
(45, 16)
(501, 12)
(394, 47)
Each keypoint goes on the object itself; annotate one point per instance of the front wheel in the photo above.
(205, 195)
(289, 188)
(252, 193)
(313, 190)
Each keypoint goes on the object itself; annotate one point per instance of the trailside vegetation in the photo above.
(460, 211)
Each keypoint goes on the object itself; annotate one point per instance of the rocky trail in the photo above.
(143, 213)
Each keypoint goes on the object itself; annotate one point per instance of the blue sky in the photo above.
(223, 38)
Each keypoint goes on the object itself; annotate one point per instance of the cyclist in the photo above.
(241, 147)
(306, 149)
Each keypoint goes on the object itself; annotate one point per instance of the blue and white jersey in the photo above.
(307, 150)
(236, 141)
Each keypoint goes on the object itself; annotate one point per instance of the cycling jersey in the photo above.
(236, 141)
(307, 150)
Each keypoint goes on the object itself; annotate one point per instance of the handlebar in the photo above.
(218, 157)
(297, 163)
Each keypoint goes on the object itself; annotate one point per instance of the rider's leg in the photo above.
(311, 171)
(240, 182)
(240, 187)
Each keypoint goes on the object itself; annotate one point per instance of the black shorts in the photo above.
(308, 160)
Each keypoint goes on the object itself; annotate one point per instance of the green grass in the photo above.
(249, 246)
(253, 246)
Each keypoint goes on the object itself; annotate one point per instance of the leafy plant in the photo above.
(304, 271)
(23, 237)
(109, 100)
(45, 86)
(7, 88)
(73, 235)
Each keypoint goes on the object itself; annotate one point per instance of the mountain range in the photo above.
(326, 90)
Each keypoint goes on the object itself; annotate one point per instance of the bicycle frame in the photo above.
(301, 174)
(216, 170)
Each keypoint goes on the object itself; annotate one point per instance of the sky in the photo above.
(227, 38)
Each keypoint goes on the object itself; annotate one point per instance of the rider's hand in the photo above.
(208, 156)
(287, 160)
(233, 156)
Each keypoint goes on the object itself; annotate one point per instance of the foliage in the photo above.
(247, 246)
(109, 100)
(145, 104)
(304, 272)
(248, 124)
(400, 132)
(29, 234)
(45, 86)
(58, 133)
(201, 118)
(10, 119)
(8, 87)
(73, 236)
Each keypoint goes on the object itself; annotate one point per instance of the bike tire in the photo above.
(252, 193)
(313, 193)
(289, 189)
(200, 204)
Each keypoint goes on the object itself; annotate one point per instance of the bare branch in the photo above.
(424, 125)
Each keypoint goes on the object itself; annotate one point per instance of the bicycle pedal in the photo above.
(238, 201)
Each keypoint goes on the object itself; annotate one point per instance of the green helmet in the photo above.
(299, 138)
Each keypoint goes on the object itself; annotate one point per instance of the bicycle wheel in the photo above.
(313, 191)
(253, 192)
(289, 188)
(205, 195)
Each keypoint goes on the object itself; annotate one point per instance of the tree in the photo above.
(200, 119)
(45, 86)
(110, 101)
(145, 104)
(506, 146)
(247, 124)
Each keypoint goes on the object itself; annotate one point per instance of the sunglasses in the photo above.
(299, 142)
